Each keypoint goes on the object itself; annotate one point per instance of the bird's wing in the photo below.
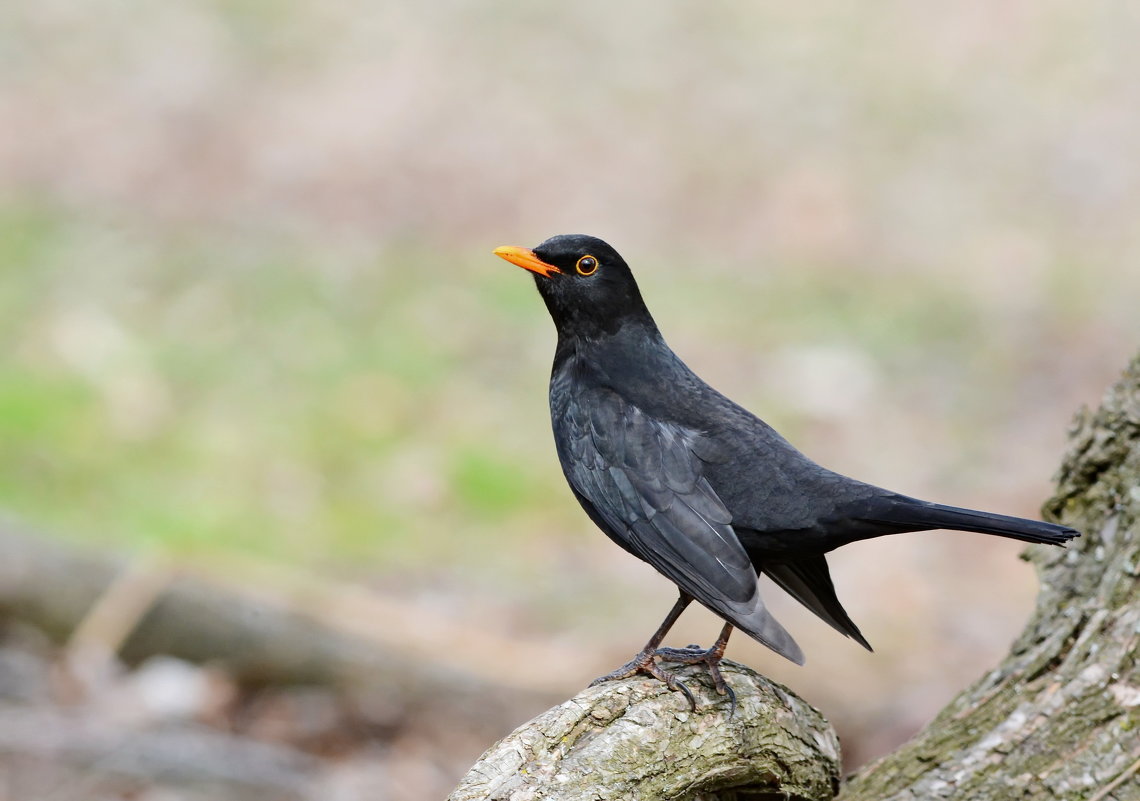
(646, 483)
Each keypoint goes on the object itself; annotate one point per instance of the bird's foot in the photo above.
(646, 662)
(710, 658)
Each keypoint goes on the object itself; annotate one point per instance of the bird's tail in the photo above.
(910, 514)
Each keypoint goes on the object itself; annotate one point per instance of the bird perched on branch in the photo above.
(697, 486)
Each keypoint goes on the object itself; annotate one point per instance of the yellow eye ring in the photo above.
(587, 265)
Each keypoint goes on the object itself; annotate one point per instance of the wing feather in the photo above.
(644, 481)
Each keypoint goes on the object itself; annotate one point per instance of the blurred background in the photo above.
(283, 517)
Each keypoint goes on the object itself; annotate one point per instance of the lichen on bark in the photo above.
(636, 739)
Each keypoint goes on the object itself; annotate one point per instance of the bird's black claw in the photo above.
(674, 683)
(710, 658)
(722, 686)
(731, 701)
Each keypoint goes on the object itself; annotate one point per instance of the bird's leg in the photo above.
(694, 655)
(646, 659)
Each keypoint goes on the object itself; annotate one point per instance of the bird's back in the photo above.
(764, 481)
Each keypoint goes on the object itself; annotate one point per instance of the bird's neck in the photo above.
(597, 317)
(636, 340)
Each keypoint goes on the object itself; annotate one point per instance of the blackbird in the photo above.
(697, 486)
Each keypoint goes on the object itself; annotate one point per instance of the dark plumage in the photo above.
(690, 482)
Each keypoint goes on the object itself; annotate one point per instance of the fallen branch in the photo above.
(277, 628)
(183, 754)
(637, 739)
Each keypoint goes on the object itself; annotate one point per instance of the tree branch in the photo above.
(636, 739)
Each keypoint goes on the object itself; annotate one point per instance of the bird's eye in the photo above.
(587, 265)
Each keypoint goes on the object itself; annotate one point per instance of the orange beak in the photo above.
(526, 259)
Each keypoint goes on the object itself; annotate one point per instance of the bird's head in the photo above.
(587, 286)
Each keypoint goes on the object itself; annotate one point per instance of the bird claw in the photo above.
(642, 663)
(646, 662)
(674, 684)
(710, 658)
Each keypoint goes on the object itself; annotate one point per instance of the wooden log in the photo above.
(636, 739)
(276, 628)
(94, 747)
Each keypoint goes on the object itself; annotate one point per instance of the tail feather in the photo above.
(809, 581)
(914, 515)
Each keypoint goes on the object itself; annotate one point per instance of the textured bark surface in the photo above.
(1060, 717)
(636, 739)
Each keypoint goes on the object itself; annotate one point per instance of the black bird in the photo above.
(697, 486)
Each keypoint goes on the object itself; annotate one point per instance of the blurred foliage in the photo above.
(209, 392)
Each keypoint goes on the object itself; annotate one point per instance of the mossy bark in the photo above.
(636, 739)
(1058, 719)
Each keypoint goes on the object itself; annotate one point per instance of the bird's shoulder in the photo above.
(598, 426)
(634, 369)
(642, 411)
(642, 477)
(614, 409)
